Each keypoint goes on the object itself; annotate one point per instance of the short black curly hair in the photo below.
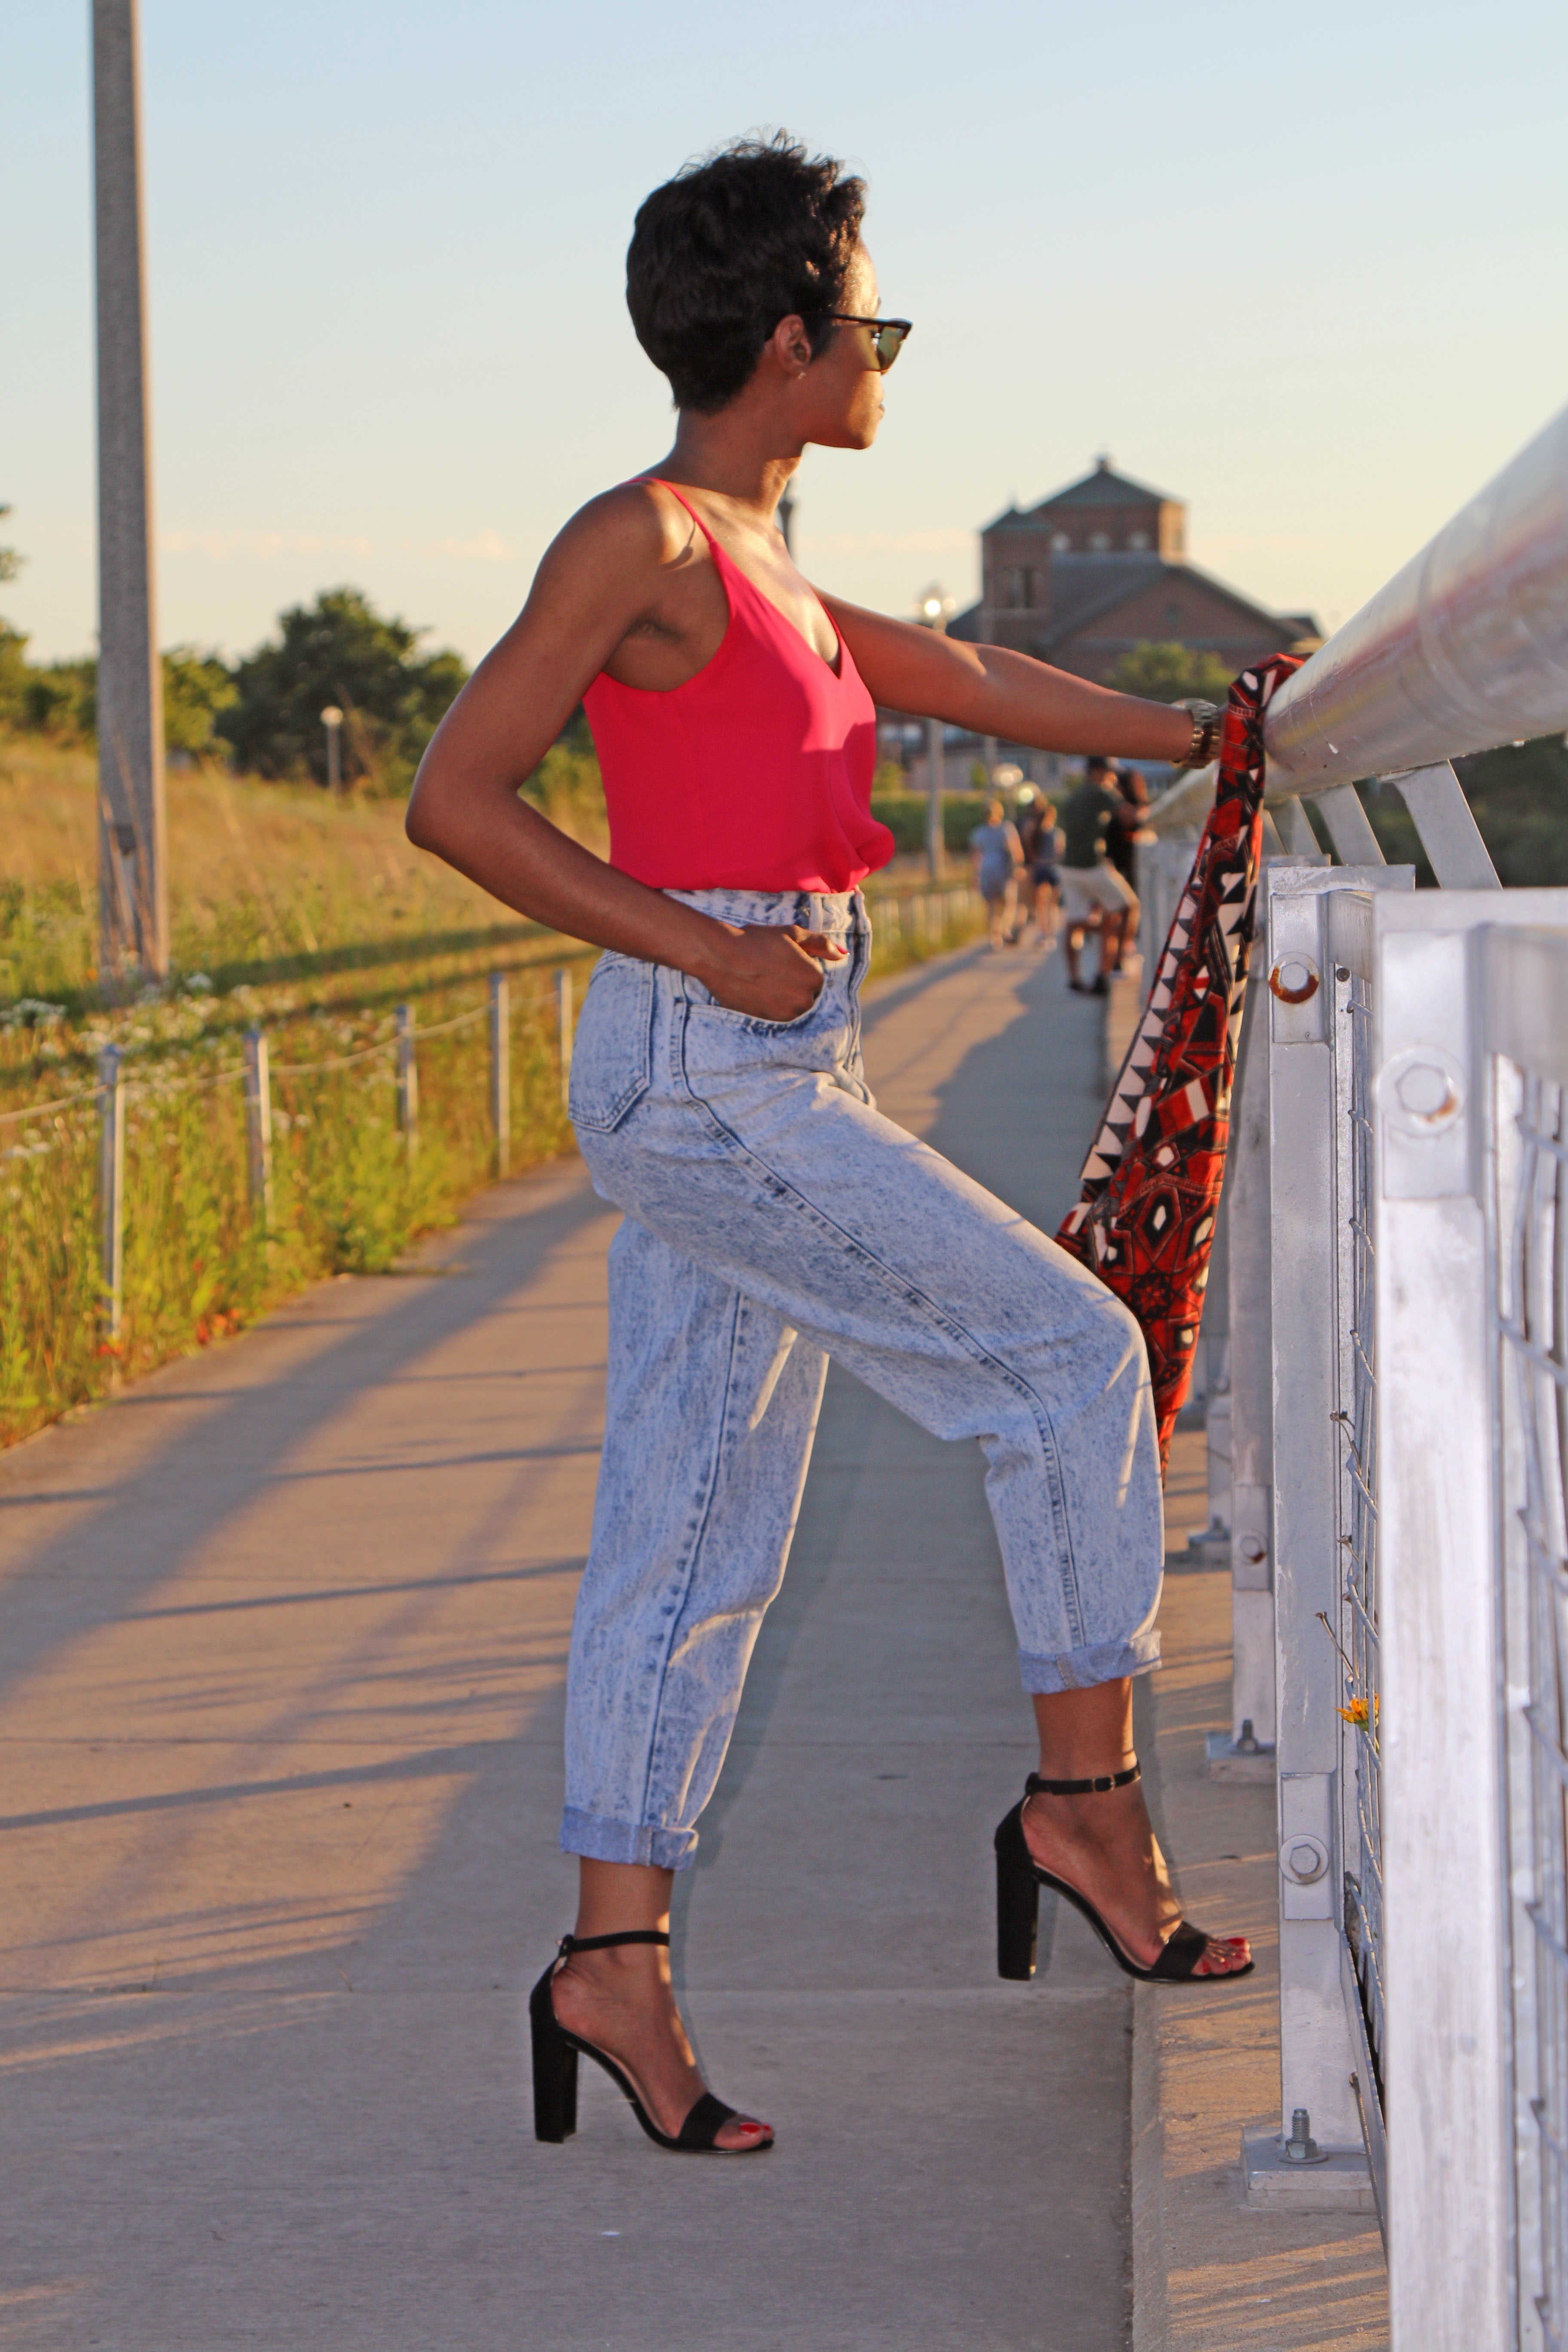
(731, 246)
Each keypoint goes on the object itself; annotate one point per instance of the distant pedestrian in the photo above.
(1039, 881)
(1093, 892)
(1122, 840)
(997, 854)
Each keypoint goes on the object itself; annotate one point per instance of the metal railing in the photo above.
(1360, 1710)
(1398, 1310)
(1527, 1204)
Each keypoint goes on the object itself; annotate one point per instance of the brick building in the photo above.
(1086, 575)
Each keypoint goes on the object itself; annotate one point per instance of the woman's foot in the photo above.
(623, 2002)
(1103, 1844)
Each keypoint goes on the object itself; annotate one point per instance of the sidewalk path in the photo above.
(280, 1673)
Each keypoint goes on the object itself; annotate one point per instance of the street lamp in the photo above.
(332, 720)
(934, 608)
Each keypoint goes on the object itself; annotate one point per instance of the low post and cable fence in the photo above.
(154, 1199)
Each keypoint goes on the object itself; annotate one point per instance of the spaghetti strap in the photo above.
(680, 501)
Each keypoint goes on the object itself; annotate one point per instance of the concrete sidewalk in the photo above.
(284, 1633)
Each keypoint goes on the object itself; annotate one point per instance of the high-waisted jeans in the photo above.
(773, 1219)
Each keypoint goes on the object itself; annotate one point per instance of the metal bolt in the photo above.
(1294, 979)
(1302, 2148)
(1303, 1859)
(1424, 1090)
(1247, 1744)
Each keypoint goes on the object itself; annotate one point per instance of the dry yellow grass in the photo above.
(274, 872)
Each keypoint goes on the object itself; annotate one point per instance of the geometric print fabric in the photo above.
(1145, 1220)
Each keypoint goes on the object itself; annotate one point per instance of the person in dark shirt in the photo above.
(1094, 892)
(1122, 841)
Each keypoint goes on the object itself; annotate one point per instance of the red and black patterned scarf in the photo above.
(1144, 1221)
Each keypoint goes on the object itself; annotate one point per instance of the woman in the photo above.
(996, 853)
(772, 1217)
(1040, 838)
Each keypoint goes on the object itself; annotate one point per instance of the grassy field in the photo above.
(311, 920)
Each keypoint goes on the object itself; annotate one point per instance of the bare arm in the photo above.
(598, 581)
(993, 691)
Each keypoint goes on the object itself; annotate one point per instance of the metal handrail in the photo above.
(1465, 649)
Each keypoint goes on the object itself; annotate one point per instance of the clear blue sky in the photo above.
(1304, 268)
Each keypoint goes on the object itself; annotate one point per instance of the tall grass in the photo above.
(311, 920)
(348, 1195)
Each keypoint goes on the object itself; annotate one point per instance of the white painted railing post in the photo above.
(1251, 1419)
(1310, 931)
(1444, 1882)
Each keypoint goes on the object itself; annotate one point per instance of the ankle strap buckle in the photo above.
(1034, 1787)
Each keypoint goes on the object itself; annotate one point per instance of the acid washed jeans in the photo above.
(773, 1219)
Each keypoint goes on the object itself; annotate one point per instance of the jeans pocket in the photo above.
(612, 1053)
(703, 999)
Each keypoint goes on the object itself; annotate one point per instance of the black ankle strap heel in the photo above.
(556, 2051)
(1020, 1879)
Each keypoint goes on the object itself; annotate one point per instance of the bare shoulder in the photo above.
(635, 529)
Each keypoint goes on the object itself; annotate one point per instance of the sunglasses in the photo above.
(888, 335)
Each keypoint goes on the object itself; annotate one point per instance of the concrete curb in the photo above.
(1150, 2310)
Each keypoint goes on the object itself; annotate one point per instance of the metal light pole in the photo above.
(132, 893)
(934, 610)
(332, 720)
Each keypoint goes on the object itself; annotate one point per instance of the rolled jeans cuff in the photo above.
(598, 1839)
(1099, 1662)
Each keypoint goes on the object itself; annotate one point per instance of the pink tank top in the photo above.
(755, 774)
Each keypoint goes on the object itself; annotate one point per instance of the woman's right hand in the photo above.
(771, 971)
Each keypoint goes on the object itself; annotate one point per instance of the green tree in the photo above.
(339, 651)
(196, 688)
(1166, 673)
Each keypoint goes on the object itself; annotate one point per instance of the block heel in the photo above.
(1017, 1901)
(554, 2070)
